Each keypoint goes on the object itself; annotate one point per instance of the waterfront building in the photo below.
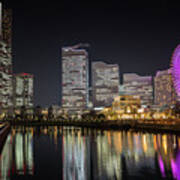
(123, 107)
(23, 90)
(164, 91)
(6, 88)
(139, 86)
(126, 104)
(75, 80)
(105, 83)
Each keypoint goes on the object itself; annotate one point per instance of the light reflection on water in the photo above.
(73, 153)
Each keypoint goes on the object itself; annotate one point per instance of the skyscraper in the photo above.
(6, 88)
(23, 90)
(164, 90)
(7, 27)
(105, 83)
(0, 20)
(140, 86)
(75, 80)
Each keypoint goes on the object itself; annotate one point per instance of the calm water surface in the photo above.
(70, 153)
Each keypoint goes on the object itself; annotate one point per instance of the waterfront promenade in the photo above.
(145, 125)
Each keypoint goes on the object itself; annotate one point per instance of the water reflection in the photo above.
(17, 154)
(73, 153)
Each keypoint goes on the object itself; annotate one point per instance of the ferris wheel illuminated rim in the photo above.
(176, 69)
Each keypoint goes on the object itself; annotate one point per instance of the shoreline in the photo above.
(154, 128)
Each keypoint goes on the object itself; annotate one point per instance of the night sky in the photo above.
(138, 35)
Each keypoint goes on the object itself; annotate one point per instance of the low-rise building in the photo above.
(126, 104)
(123, 107)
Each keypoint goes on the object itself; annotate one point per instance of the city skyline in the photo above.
(89, 90)
(139, 38)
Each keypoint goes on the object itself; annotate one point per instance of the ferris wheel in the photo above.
(176, 69)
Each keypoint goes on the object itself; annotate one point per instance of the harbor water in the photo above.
(72, 153)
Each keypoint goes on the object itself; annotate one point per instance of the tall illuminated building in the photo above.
(6, 26)
(75, 80)
(164, 91)
(105, 83)
(23, 90)
(139, 86)
(6, 88)
(0, 19)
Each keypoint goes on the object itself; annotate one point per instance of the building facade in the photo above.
(6, 88)
(23, 90)
(6, 26)
(75, 80)
(126, 104)
(139, 86)
(0, 19)
(105, 83)
(123, 107)
(164, 92)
